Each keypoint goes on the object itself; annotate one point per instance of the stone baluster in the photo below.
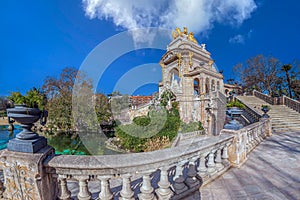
(105, 193)
(211, 162)
(253, 137)
(192, 180)
(146, 189)
(218, 159)
(64, 193)
(225, 155)
(126, 192)
(202, 166)
(250, 140)
(179, 185)
(164, 191)
(256, 139)
(84, 193)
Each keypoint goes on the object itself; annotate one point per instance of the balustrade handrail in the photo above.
(134, 162)
(264, 97)
(250, 110)
(291, 103)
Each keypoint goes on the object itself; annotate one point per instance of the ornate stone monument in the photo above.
(190, 73)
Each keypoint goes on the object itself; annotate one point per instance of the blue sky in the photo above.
(40, 38)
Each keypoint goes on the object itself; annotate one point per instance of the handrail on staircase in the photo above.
(291, 103)
(284, 100)
(250, 111)
(266, 98)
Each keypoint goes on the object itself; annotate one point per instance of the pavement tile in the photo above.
(272, 171)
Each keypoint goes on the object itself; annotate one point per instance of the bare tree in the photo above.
(260, 73)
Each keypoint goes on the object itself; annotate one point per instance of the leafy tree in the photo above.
(102, 108)
(34, 98)
(59, 94)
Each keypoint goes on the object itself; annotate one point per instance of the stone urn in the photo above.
(27, 140)
(265, 109)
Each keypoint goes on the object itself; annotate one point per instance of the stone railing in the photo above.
(266, 98)
(251, 115)
(291, 103)
(186, 136)
(173, 173)
(246, 139)
(192, 134)
(176, 172)
(284, 100)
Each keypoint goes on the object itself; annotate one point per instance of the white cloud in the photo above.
(237, 39)
(198, 15)
(240, 39)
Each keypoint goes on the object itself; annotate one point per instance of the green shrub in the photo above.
(235, 104)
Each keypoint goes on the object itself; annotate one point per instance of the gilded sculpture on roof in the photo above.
(179, 33)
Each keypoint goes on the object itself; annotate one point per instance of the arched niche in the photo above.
(196, 86)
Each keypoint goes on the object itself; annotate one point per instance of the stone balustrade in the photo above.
(284, 100)
(246, 139)
(175, 172)
(251, 115)
(266, 98)
(291, 103)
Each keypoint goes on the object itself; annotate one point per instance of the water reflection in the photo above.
(78, 144)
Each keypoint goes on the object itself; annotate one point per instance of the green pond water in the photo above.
(81, 144)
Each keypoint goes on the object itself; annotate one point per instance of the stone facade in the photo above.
(190, 73)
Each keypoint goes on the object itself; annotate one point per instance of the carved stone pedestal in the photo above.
(25, 177)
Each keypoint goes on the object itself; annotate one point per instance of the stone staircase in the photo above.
(283, 118)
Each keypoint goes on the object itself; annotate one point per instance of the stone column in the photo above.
(84, 193)
(211, 162)
(146, 189)
(105, 193)
(25, 177)
(164, 191)
(126, 192)
(219, 164)
(64, 193)
(202, 166)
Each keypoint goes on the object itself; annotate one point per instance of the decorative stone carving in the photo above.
(25, 177)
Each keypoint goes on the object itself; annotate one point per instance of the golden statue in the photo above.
(175, 35)
(185, 30)
(191, 38)
(178, 31)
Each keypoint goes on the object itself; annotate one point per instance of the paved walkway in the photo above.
(271, 172)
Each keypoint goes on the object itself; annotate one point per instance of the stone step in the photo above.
(285, 126)
(285, 130)
(279, 119)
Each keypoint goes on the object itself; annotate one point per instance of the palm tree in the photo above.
(287, 68)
